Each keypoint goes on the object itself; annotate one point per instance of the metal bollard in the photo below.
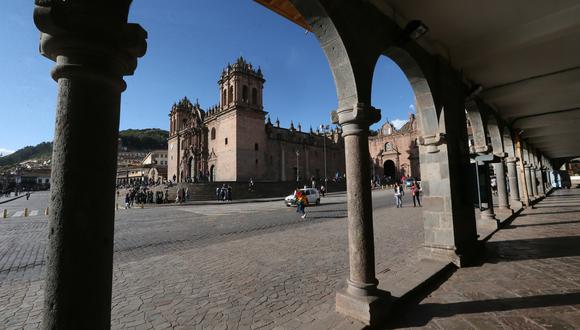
(5, 214)
(46, 211)
(25, 211)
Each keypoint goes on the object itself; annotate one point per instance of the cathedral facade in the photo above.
(395, 152)
(236, 141)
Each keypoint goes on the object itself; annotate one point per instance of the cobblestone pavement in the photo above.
(243, 266)
(530, 280)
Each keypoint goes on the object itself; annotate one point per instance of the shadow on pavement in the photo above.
(536, 248)
(422, 314)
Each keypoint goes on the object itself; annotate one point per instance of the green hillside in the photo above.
(132, 139)
(144, 139)
(39, 151)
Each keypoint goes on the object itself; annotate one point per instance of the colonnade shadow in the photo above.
(535, 248)
(545, 224)
(422, 314)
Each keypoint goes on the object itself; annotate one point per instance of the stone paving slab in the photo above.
(273, 275)
(530, 280)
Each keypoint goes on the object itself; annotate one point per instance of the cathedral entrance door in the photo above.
(212, 173)
(390, 171)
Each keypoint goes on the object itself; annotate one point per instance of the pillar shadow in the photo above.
(542, 224)
(421, 315)
(536, 248)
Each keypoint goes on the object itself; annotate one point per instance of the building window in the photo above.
(231, 94)
(226, 141)
(245, 93)
(224, 98)
(213, 133)
(256, 146)
(254, 96)
(388, 146)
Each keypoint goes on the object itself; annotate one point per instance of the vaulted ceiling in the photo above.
(525, 54)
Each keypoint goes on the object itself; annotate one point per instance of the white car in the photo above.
(311, 193)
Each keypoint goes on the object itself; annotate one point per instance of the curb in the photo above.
(12, 199)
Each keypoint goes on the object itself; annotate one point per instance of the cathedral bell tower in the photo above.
(237, 141)
(241, 86)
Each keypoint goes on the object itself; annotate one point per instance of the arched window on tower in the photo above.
(245, 94)
(230, 94)
(254, 96)
(213, 133)
(224, 98)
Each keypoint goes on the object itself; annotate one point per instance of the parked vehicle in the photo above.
(311, 193)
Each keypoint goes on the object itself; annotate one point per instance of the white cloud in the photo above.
(5, 152)
(412, 107)
(398, 123)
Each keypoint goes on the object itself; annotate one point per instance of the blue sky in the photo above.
(189, 44)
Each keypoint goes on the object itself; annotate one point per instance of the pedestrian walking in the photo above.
(398, 195)
(127, 201)
(416, 192)
(217, 193)
(301, 202)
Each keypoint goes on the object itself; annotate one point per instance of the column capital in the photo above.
(501, 155)
(92, 39)
(356, 120)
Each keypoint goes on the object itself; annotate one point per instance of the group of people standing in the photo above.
(143, 196)
(400, 192)
(224, 193)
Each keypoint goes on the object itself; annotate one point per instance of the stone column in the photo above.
(521, 182)
(534, 177)
(502, 192)
(487, 214)
(513, 180)
(542, 189)
(528, 173)
(93, 47)
(361, 295)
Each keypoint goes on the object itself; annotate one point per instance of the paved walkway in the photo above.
(214, 266)
(530, 280)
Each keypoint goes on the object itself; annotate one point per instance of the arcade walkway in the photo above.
(530, 278)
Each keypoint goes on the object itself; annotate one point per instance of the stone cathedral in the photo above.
(236, 141)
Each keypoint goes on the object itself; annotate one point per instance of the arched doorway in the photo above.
(390, 171)
(212, 173)
(191, 168)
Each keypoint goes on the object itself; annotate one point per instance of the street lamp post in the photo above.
(324, 128)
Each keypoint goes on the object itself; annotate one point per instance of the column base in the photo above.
(370, 310)
(488, 219)
(468, 256)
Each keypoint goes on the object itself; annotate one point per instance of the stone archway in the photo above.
(390, 171)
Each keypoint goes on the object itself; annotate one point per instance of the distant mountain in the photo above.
(40, 151)
(142, 140)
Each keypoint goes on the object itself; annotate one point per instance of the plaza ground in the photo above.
(258, 265)
(249, 265)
